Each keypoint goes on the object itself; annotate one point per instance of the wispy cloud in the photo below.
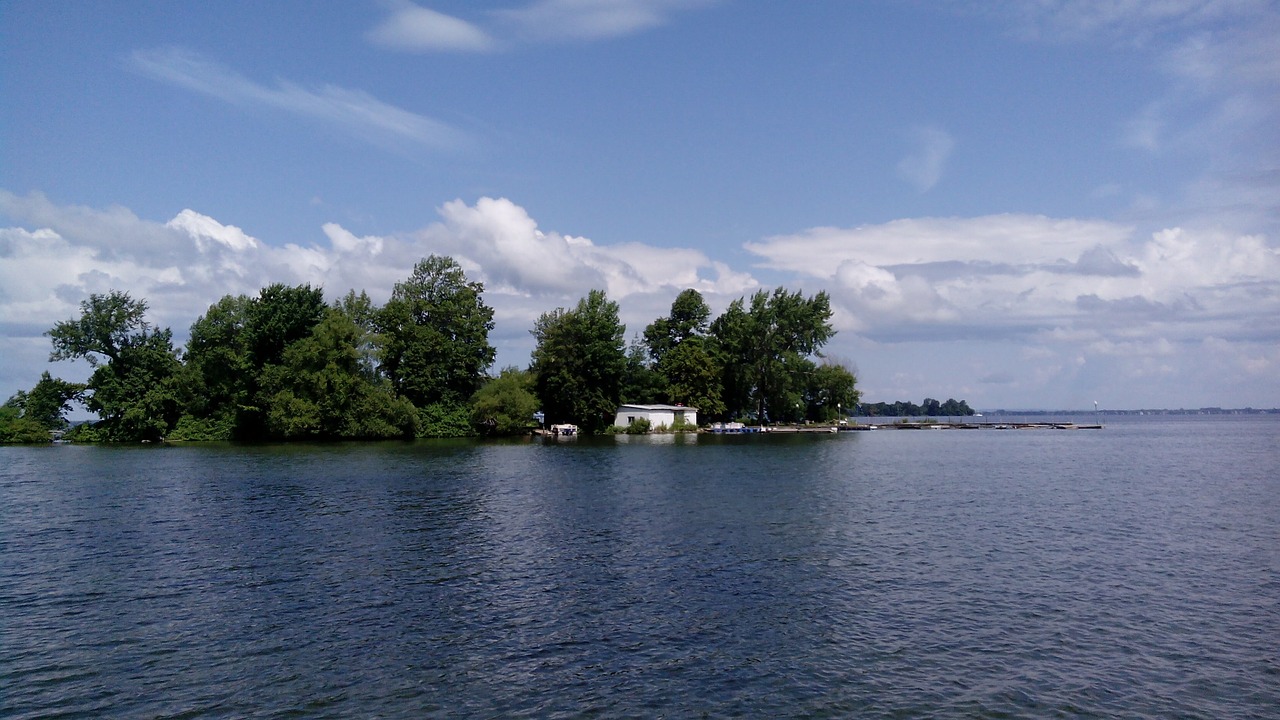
(1220, 103)
(930, 149)
(413, 28)
(417, 29)
(1126, 20)
(589, 19)
(354, 111)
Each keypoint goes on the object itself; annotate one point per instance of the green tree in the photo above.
(219, 375)
(688, 319)
(28, 416)
(677, 344)
(579, 362)
(319, 390)
(15, 428)
(48, 403)
(137, 395)
(763, 351)
(832, 391)
(641, 383)
(279, 316)
(693, 377)
(136, 392)
(107, 325)
(364, 314)
(506, 404)
(435, 334)
(955, 408)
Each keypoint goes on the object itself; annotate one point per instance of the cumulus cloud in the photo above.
(930, 149)
(1024, 303)
(499, 238)
(355, 111)
(418, 29)
(998, 276)
(57, 255)
(1001, 239)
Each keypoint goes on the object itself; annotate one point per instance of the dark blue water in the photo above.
(1127, 572)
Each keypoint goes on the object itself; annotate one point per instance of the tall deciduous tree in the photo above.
(763, 350)
(49, 401)
(219, 374)
(832, 391)
(361, 311)
(693, 377)
(641, 381)
(107, 325)
(678, 345)
(281, 315)
(579, 362)
(435, 334)
(319, 389)
(135, 392)
(688, 319)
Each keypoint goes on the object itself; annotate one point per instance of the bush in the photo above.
(17, 429)
(682, 425)
(639, 426)
(442, 420)
(86, 433)
(505, 405)
(203, 429)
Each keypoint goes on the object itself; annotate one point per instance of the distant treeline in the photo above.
(929, 408)
(287, 365)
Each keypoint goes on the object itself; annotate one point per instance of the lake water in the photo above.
(1127, 572)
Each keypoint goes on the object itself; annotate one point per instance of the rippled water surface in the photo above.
(1128, 572)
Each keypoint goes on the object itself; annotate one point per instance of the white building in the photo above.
(657, 415)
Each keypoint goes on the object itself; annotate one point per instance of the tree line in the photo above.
(929, 408)
(284, 364)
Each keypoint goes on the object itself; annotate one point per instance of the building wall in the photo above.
(656, 418)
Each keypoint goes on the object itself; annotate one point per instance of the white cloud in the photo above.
(587, 19)
(1134, 20)
(60, 254)
(923, 165)
(1221, 102)
(204, 229)
(996, 239)
(412, 28)
(1059, 310)
(1016, 275)
(500, 239)
(418, 29)
(353, 110)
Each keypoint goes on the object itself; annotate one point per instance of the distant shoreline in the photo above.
(1143, 411)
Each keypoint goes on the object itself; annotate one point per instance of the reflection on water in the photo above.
(1128, 572)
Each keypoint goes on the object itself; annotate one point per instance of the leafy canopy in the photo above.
(579, 362)
(435, 334)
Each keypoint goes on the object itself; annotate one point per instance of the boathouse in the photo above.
(657, 415)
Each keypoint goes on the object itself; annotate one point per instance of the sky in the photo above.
(1032, 204)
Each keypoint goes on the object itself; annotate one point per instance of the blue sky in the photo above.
(1028, 205)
